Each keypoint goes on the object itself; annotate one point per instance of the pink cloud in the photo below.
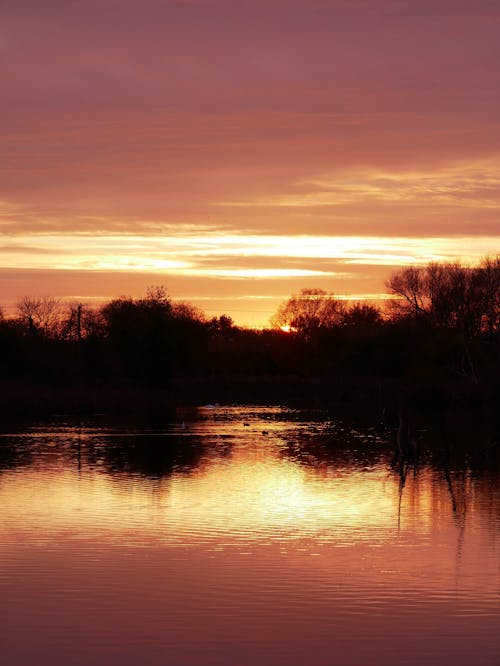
(122, 116)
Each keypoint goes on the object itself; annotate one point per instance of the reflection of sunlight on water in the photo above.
(251, 492)
(241, 549)
(254, 493)
(249, 496)
(270, 497)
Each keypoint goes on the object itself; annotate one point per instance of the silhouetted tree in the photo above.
(79, 321)
(309, 311)
(150, 338)
(40, 314)
(408, 285)
(460, 299)
(136, 332)
(450, 295)
(182, 310)
(444, 323)
(362, 315)
(222, 325)
(490, 276)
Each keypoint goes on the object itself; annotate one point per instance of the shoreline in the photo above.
(313, 391)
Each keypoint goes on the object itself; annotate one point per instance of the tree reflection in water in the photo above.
(304, 531)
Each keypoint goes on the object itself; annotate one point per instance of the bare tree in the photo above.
(158, 295)
(450, 295)
(311, 309)
(408, 285)
(40, 314)
(490, 272)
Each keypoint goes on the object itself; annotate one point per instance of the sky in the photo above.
(238, 151)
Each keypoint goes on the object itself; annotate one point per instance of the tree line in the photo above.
(441, 323)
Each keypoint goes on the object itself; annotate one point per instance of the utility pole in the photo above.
(79, 322)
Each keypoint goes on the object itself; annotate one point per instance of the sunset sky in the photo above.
(238, 151)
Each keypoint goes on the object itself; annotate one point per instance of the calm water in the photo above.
(243, 536)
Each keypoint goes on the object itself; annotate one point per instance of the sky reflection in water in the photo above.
(241, 536)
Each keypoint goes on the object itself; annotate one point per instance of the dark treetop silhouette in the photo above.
(439, 334)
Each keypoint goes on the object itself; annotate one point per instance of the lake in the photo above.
(245, 536)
